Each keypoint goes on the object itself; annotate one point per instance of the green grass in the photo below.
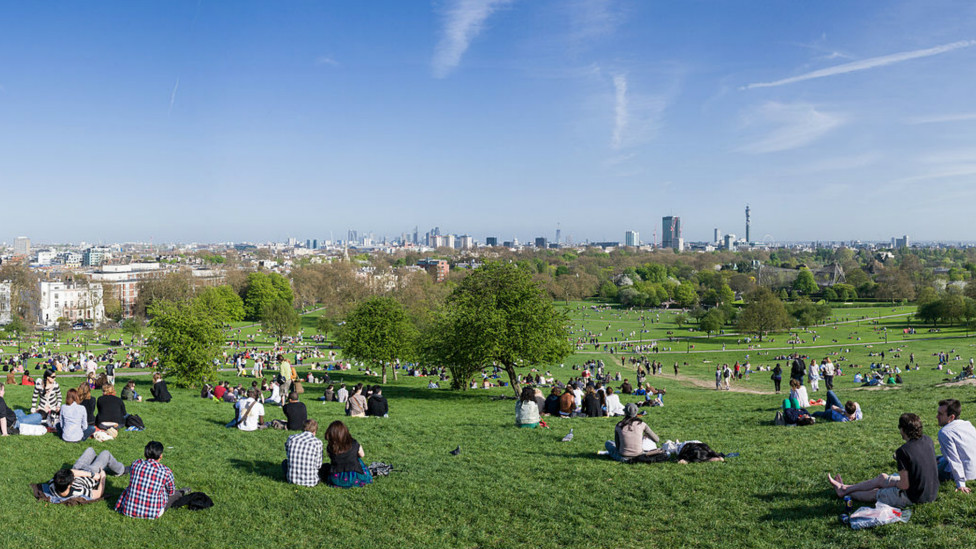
(518, 487)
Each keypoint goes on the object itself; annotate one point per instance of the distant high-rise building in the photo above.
(632, 238)
(671, 233)
(315, 243)
(465, 242)
(747, 224)
(308, 243)
(94, 257)
(491, 241)
(292, 241)
(901, 242)
(352, 237)
(558, 234)
(449, 241)
(729, 242)
(718, 236)
(540, 242)
(22, 246)
(416, 236)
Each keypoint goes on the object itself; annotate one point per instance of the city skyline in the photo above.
(249, 121)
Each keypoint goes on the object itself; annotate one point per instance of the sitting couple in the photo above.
(303, 465)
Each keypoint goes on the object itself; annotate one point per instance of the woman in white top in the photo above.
(799, 392)
(614, 407)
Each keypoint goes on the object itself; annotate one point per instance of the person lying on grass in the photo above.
(85, 479)
(851, 411)
(917, 480)
(632, 437)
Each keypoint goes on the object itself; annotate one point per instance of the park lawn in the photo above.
(509, 487)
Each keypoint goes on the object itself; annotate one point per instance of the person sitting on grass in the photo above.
(111, 409)
(85, 479)
(346, 468)
(917, 480)
(129, 392)
(526, 409)
(46, 399)
(632, 437)
(295, 411)
(376, 404)
(160, 391)
(73, 425)
(329, 395)
(614, 406)
(356, 405)
(342, 395)
(957, 440)
(86, 400)
(551, 406)
(798, 396)
(567, 403)
(250, 413)
(851, 411)
(591, 403)
(152, 487)
(220, 389)
(303, 451)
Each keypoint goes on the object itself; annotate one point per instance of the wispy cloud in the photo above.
(621, 116)
(592, 19)
(462, 23)
(938, 119)
(793, 126)
(172, 97)
(865, 64)
(326, 60)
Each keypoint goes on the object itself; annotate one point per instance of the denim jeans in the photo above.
(28, 419)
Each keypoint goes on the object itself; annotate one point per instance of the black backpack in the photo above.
(134, 421)
(194, 501)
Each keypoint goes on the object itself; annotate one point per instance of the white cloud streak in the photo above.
(593, 19)
(961, 117)
(621, 117)
(326, 60)
(865, 64)
(794, 126)
(172, 97)
(462, 23)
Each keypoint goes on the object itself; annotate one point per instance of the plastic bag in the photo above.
(868, 517)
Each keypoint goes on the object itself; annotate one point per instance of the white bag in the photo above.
(32, 430)
(867, 517)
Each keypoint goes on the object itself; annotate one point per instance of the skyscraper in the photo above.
(671, 233)
(747, 225)
(22, 246)
(632, 238)
(718, 236)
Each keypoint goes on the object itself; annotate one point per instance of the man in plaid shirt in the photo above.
(151, 488)
(304, 453)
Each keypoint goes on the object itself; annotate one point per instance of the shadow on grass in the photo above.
(821, 503)
(577, 455)
(268, 469)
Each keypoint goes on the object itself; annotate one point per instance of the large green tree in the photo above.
(805, 283)
(185, 339)
(497, 315)
(764, 312)
(378, 332)
(279, 319)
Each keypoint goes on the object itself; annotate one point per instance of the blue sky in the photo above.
(217, 121)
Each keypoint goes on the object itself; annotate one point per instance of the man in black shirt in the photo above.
(377, 405)
(7, 416)
(917, 480)
(295, 412)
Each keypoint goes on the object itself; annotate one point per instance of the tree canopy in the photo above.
(185, 339)
(764, 312)
(497, 315)
(378, 332)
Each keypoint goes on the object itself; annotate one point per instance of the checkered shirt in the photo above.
(304, 453)
(149, 489)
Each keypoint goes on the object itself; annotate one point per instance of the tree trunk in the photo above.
(513, 378)
(384, 373)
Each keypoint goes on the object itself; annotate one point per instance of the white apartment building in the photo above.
(5, 307)
(72, 301)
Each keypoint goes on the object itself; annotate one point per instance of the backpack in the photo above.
(779, 420)
(194, 501)
(134, 421)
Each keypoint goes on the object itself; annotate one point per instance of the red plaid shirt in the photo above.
(149, 489)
